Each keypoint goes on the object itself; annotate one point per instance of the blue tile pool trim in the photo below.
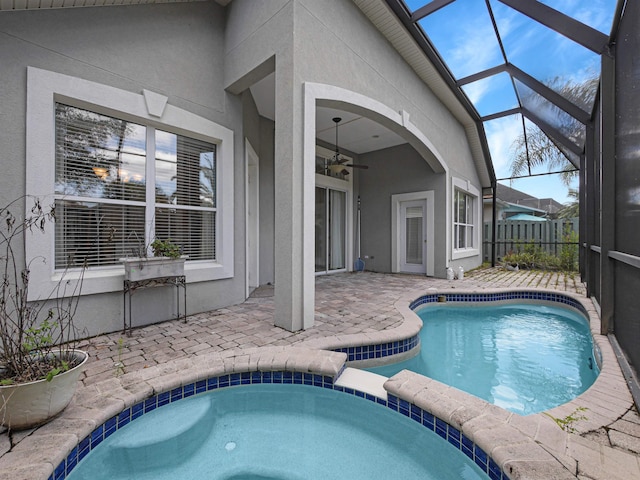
(366, 352)
(499, 297)
(452, 435)
(449, 433)
(509, 296)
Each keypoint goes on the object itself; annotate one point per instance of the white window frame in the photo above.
(44, 89)
(465, 187)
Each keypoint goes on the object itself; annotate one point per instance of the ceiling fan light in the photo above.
(337, 160)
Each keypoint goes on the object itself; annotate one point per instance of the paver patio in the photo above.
(607, 446)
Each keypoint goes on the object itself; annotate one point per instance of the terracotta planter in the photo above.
(28, 405)
(136, 269)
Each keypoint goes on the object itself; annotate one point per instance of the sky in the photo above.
(463, 34)
(500, 137)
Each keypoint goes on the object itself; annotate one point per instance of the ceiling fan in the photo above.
(338, 161)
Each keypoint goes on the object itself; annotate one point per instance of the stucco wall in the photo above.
(191, 53)
(393, 171)
(175, 50)
(336, 44)
(259, 132)
(267, 206)
(332, 42)
(347, 51)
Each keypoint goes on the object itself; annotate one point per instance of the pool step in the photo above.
(155, 444)
(367, 382)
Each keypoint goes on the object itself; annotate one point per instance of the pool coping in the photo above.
(448, 433)
(606, 401)
(524, 447)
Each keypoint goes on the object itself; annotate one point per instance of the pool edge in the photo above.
(299, 370)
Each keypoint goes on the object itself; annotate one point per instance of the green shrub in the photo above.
(165, 248)
(569, 251)
(531, 256)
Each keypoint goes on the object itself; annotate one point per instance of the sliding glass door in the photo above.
(331, 208)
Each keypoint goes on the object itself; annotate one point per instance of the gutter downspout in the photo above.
(493, 224)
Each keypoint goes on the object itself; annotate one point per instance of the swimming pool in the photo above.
(288, 432)
(524, 357)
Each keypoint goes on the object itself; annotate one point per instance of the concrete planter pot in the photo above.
(27, 405)
(144, 268)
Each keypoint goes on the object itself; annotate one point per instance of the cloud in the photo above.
(597, 14)
(464, 36)
(478, 51)
(500, 136)
(476, 91)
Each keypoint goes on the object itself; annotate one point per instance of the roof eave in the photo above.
(388, 23)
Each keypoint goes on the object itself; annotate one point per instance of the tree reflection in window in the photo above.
(102, 169)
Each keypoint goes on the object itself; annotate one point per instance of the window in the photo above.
(105, 210)
(330, 229)
(463, 221)
(123, 168)
(467, 215)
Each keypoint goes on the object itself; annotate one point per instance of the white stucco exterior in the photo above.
(189, 68)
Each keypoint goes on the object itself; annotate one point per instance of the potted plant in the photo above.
(39, 366)
(166, 261)
(165, 248)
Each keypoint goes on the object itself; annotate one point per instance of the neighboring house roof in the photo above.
(514, 207)
(513, 196)
(527, 218)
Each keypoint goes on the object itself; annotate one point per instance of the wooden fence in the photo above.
(513, 235)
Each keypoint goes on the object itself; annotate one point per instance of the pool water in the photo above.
(268, 432)
(526, 358)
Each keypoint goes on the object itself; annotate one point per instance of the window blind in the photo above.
(102, 169)
(185, 170)
(193, 230)
(98, 233)
(99, 156)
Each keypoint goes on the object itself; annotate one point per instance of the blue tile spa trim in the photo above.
(366, 352)
(452, 435)
(499, 297)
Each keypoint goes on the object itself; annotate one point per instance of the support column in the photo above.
(607, 194)
(294, 204)
(588, 220)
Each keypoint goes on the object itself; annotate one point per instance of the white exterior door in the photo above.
(413, 238)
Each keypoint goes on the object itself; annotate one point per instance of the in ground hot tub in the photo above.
(286, 432)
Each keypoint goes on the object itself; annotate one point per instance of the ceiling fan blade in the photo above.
(364, 167)
(336, 168)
